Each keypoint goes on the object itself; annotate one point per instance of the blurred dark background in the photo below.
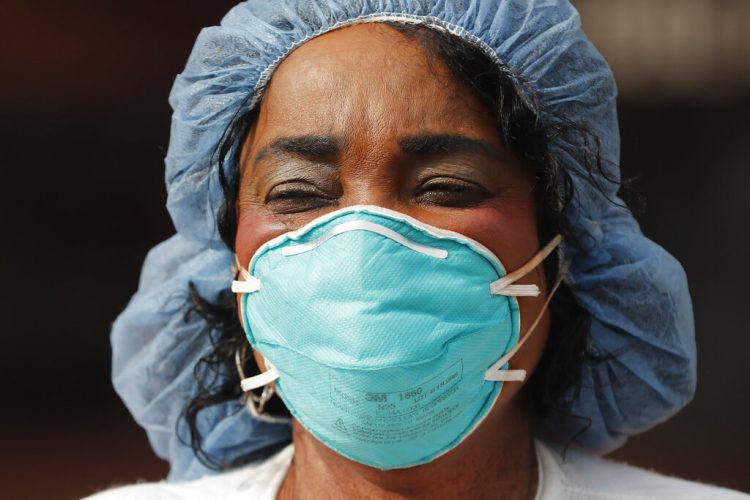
(84, 129)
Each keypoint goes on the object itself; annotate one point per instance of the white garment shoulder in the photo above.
(586, 477)
(578, 476)
(257, 481)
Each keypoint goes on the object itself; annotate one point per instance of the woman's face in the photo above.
(362, 116)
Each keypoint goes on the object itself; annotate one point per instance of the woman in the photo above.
(390, 184)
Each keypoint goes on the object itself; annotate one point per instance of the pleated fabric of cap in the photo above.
(635, 291)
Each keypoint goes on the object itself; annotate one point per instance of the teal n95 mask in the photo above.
(388, 339)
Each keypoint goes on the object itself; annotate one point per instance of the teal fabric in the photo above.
(381, 350)
(636, 292)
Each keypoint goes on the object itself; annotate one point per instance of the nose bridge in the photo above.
(372, 192)
(369, 175)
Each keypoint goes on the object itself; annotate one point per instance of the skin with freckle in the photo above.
(333, 132)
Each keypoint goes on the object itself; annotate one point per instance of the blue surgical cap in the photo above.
(635, 291)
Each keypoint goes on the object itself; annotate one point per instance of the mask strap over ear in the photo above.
(495, 372)
(265, 378)
(248, 284)
(256, 403)
(504, 285)
(260, 380)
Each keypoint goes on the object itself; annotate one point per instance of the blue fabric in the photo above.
(636, 292)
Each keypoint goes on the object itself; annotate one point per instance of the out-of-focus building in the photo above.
(673, 49)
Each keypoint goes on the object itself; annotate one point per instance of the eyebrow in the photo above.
(435, 144)
(315, 145)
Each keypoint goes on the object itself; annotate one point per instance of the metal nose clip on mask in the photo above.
(388, 339)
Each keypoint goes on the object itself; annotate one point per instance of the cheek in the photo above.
(510, 234)
(255, 227)
(509, 231)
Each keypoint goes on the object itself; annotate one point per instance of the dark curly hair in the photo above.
(557, 379)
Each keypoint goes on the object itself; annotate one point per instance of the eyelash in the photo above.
(295, 198)
(301, 197)
(451, 193)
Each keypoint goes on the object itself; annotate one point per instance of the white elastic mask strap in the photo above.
(504, 285)
(363, 225)
(256, 403)
(265, 378)
(495, 372)
(248, 284)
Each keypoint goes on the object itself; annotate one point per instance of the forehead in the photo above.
(367, 78)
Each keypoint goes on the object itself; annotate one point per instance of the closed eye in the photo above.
(298, 196)
(451, 192)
